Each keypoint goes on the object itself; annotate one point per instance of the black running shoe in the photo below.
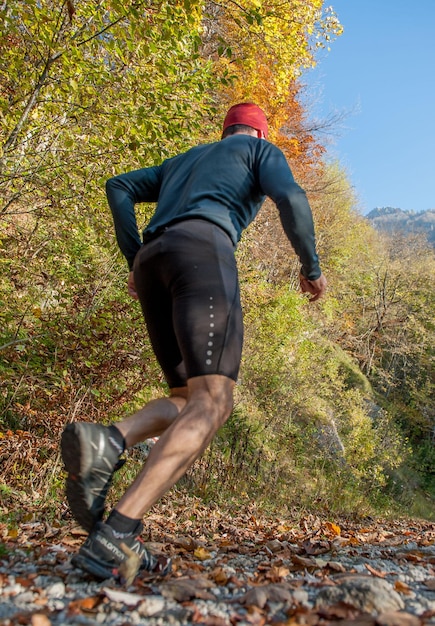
(90, 457)
(106, 554)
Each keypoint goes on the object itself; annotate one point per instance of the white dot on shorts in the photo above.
(211, 334)
(210, 343)
(209, 352)
(208, 362)
(211, 325)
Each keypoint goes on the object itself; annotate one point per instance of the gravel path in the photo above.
(240, 572)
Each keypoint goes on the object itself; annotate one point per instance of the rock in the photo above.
(367, 576)
(274, 545)
(365, 593)
(329, 439)
(151, 605)
(55, 590)
(300, 596)
(255, 597)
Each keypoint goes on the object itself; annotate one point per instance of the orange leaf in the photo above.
(402, 588)
(333, 528)
(219, 576)
(39, 619)
(375, 572)
(84, 604)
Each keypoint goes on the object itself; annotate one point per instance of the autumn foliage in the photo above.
(335, 403)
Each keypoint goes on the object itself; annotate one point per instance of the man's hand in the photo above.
(131, 286)
(316, 287)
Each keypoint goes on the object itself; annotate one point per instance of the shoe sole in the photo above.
(96, 568)
(103, 571)
(73, 458)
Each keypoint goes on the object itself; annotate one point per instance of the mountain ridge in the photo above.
(392, 220)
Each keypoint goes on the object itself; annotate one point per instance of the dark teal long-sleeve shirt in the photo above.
(225, 182)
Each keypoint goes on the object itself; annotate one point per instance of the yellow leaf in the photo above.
(278, 572)
(13, 533)
(202, 554)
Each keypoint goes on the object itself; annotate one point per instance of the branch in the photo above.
(17, 341)
(43, 77)
(106, 28)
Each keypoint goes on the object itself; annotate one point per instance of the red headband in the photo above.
(248, 114)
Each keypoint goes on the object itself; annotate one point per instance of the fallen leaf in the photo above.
(83, 604)
(284, 528)
(12, 533)
(314, 548)
(202, 554)
(78, 531)
(301, 615)
(333, 528)
(255, 597)
(73, 543)
(180, 592)
(208, 620)
(397, 618)
(277, 593)
(274, 545)
(219, 576)
(184, 590)
(130, 567)
(187, 543)
(414, 557)
(336, 566)
(277, 571)
(402, 587)
(129, 599)
(303, 561)
(255, 616)
(39, 619)
(26, 581)
(340, 611)
(375, 572)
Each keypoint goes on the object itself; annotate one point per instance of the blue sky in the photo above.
(381, 74)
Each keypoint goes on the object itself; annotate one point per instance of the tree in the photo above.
(253, 36)
(82, 85)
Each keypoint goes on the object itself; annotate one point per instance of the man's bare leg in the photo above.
(154, 418)
(91, 452)
(208, 406)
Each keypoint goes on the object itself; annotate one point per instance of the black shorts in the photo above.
(187, 282)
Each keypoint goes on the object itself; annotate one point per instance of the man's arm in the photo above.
(297, 222)
(123, 192)
(277, 182)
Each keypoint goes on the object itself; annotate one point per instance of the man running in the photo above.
(184, 274)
